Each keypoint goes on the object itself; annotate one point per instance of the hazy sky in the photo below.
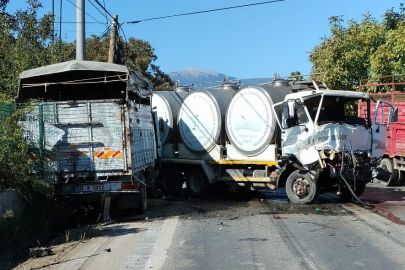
(245, 43)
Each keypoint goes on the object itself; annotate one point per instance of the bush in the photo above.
(44, 215)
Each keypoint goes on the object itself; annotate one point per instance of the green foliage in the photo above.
(358, 50)
(43, 215)
(297, 75)
(25, 43)
(137, 55)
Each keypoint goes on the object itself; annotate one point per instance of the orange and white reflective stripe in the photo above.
(108, 154)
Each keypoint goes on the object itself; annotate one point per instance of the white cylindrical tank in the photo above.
(167, 105)
(201, 118)
(250, 123)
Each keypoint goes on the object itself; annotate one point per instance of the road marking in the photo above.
(162, 244)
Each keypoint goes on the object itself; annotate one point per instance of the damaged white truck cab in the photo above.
(325, 146)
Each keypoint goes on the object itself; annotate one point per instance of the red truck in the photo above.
(387, 89)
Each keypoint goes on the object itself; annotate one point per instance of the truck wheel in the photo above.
(143, 200)
(346, 195)
(197, 183)
(301, 188)
(388, 165)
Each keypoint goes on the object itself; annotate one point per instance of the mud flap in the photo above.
(106, 209)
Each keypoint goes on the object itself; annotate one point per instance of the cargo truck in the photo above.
(387, 90)
(94, 124)
(297, 135)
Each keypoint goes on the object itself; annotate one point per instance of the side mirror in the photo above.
(393, 117)
(290, 122)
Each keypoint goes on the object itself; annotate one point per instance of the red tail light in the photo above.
(129, 186)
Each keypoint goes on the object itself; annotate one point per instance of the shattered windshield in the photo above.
(335, 109)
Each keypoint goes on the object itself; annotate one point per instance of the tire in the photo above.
(346, 195)
(301, 188)
(171, 180)
(197, 183)
(143, 200)
(388, 165)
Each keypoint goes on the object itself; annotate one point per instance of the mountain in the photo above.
(205, 77)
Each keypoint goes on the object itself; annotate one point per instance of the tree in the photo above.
(361, 49)
(297, 75)
(23, 38)
(139, 55)
(26, 43)
(136, 55)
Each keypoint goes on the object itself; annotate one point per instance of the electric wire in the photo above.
(355, 199)
(105, 12)
(85, 12)
(103, 7)
(100, 36)
(125, 50)
(85, 22)
(204, 11)
(102, 13)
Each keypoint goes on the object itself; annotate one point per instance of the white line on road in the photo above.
(162, 244)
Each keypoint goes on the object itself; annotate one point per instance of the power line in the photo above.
(102, 13)
(105, 32)
(103, 8)
(125, 49)
(86, 22)
(206, 11)
(87, 32)
(85, 12)
(105, 12)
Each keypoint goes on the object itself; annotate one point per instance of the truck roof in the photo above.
(335, 93)
(72, 80)
(74, 65)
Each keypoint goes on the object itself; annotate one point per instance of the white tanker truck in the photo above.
(301, 136)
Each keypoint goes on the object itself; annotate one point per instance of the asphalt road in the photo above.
(263, 231)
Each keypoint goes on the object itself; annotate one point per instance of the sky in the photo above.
(250, 42)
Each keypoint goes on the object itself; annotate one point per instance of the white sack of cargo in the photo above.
(250, 123)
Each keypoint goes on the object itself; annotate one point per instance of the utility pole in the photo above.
(60, 27)
(113, 39)
(53, 21)
(80, 31)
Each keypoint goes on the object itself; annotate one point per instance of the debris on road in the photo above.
(40, 252)
(279, 217)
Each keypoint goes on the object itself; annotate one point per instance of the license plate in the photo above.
(83, 188)
(89, 188)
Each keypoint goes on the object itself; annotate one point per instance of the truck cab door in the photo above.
(295, 124)
(385, 113)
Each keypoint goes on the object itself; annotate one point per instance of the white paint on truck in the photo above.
(249, 120)
(199, 122)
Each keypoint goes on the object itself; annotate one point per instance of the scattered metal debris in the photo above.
(40, 252)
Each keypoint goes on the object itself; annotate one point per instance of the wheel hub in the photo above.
(196, 183)
(301, 187)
